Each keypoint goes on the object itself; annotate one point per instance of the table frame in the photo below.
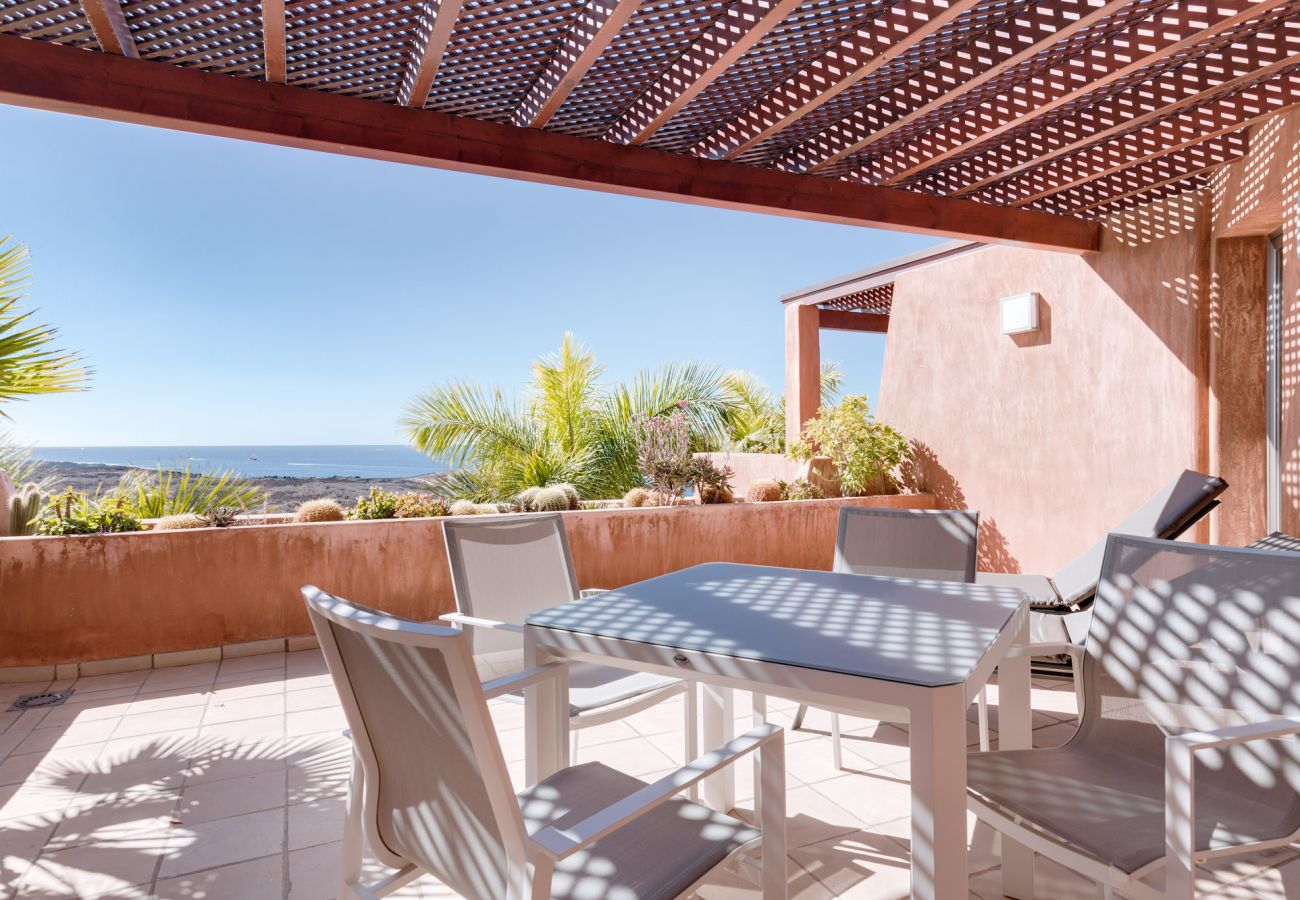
(936, 719)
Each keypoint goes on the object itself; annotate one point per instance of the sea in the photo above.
(293, 460)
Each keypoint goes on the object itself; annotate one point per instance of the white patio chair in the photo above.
(430, 792)
(937, 545)
(504, 569)
(1186, 747)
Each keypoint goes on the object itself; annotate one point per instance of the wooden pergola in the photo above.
(1021, 121)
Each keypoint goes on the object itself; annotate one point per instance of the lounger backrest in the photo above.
(433, 768)
(940, 545)
(1187, 637)
(506, 569)
(1168, 513)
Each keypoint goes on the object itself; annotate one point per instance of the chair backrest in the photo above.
(437, 790)
(1167, 514)
(506, 569)
(1186, 637)
(935, 544)
(1278, 540)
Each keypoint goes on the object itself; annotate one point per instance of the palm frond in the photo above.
(28, 363)
(461, 423)
(566, 386)
(832, 383)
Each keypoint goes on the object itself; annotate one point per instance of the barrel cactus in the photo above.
(320, 511)
(550, 499)
(526, 498)
(179, 521)
(571, 492)
(463, 508)
(24, 509)
(764, 490)
(636, 498)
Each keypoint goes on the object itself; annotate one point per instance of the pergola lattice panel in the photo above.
(1068, 107)
(878, 300)
(60, 21)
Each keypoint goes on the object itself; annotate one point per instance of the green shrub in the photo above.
(866, 451)
(378, 504)
(712, 484)
(800, 489)
(415, 505)
(74, 513)
(323, 510)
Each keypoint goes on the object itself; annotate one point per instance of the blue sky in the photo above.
(233, 293)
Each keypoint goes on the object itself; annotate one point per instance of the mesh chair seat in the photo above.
(658, 855)
(1277, 541)
(1111, 805)
(593, 686)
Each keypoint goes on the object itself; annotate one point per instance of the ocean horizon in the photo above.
(260, 460)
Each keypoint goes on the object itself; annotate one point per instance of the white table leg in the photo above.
(938, 739)
(546, 718)
(719, 727)
(1015, 732)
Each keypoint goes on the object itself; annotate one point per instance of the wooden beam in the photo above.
(108, 21)
(740, 26)
(591, 32)
(64, 79)
(1042, 26)
(1166, 36)
(846, 320)
(273, 44)
(433, 30)
(874, 45)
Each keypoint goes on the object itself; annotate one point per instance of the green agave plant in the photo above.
(152, 495)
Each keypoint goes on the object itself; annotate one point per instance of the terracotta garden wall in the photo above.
(103, 597)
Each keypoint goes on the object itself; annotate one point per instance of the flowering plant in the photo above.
(663, 453)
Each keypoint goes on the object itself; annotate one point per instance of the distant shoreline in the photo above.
(285, 491)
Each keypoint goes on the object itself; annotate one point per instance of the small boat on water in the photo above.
(252, 456)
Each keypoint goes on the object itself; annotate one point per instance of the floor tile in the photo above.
(257, 879)
(92, 870)
(192, 848)
(203, 802)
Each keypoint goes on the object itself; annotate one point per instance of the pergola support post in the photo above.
(803, 366)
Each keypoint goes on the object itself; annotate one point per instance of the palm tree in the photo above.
(757, 423)
(568, 426)
(28, 365)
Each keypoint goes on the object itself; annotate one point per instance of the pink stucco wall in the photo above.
(1151, 359)
(1053, 436)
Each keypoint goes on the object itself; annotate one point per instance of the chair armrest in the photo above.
(1233, 734)
(557, 843)
(1047, 648)
(1181, 851)
(591, 592)
(508, 684)
(475, 622)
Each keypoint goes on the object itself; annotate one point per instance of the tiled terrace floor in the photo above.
(226, 782)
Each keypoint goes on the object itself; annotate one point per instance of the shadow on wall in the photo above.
(925, 473)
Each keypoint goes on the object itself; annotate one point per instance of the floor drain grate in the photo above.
(39, 701)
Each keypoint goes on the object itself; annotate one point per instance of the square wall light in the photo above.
(1020, 313)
